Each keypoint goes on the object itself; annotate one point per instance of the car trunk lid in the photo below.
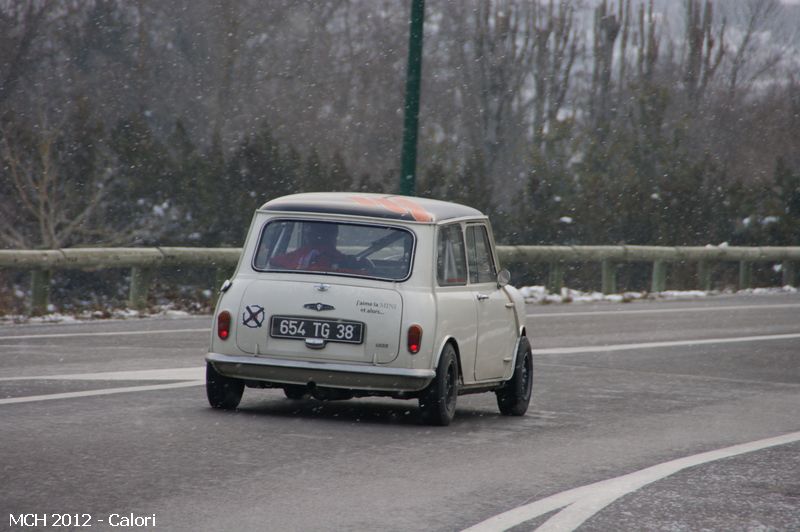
(322, 320)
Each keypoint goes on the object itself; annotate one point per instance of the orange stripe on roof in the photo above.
(388, 204)
(369, 202)
(397, 205)
(416, 210)
(384, 203)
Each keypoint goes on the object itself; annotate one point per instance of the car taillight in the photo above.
(224, 324)
(414, 339)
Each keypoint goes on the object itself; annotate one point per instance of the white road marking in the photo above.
(659, 311)
(115, 333)
(190, 376)
(651, 345)
(90, 393)
(682, 375)
(170, 374)
(579, 504)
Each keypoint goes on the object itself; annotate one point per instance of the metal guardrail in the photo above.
(660, 256)
(143, 261)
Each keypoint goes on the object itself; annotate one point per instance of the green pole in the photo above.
(704, 275)
(745, 274)
(555, 280)
(140, 286)
(609, 276)
(788, 273)
(413, 77)
(659, 278)
(40, 291)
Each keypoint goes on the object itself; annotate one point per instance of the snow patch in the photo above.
(85, 316)
(540, 294)
(769, 291)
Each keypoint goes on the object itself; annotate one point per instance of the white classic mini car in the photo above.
(341, 295)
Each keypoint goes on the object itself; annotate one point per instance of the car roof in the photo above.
(386, 206)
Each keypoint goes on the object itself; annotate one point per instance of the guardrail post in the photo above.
(40, 291)
(555, 279)
(704, 275)
(609, 274)
(745, 274)
(789, 273)
(140, 285)
(659, 280)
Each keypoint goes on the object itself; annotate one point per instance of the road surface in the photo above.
(671, 415)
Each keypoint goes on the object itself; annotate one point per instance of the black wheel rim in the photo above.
(525, 378)
(450, 387)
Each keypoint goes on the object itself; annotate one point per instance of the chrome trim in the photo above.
(315, 343)
(514, 357)
(319, 307)
(321, 366)
(326, 219)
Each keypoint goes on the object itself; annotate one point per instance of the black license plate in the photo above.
(349, 332)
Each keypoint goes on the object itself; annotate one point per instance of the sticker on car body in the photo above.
(253, 316)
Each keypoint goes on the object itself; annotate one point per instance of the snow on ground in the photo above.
(532, 294)
(161, 312)
(539, 294)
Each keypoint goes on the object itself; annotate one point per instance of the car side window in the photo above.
(479, 254)
(451, 264)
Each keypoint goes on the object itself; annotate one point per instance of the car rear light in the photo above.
(224, 325)
(414, 339)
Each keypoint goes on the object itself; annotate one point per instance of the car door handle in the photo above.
(482, 297)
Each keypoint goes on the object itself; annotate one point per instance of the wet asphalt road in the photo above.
(704, 375)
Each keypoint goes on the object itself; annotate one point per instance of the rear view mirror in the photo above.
(503, 278)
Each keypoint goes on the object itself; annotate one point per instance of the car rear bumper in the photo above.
(334, 375)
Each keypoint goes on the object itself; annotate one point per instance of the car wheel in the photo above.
(438, 400)
(515, 395)
(223, 392)
(295, 392)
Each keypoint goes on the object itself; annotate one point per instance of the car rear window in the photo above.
(451, 267)
(335, 248)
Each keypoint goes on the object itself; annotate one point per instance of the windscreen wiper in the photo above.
(380, 244)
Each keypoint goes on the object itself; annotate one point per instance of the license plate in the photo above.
(349, 332)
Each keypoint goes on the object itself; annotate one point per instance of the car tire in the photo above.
(223, 392)
(295, 392)
(438, 401)
(515, 395)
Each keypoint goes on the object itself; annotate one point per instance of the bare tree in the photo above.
(502, 49)
(20, 24)
(230, 27)
(701, 60)
(758, 17)
(501, 74)
(41, 207)
(607, 26)
(556, 40)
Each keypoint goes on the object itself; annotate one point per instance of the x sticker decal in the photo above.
(253, 316)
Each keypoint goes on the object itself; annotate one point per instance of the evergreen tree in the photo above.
(786, 201)
(338, 176)
(144, 209)
(313, 178)
(253, 176)
(293, 169)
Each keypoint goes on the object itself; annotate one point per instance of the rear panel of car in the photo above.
(297, 315)
(309, 317)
